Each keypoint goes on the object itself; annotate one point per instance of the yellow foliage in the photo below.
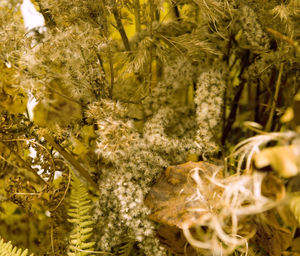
(12, 98)
(283, 159)
(288, 115)
(295, 207)
(58, 109)
(79, 147)
(190, 95)
(192, 158)
(9, 209)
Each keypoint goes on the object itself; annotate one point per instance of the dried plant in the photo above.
(125, 89)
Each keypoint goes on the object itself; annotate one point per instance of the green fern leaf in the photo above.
(7, 249)
(80, 206)
(126, 248)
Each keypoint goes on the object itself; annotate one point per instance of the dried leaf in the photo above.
(273, 187)
(172, 202)
(174, 239)
(272, 237)
(171, 197)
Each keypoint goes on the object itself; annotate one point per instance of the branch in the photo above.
(68, 157)
(233, 111)
(111, 68)
(285, 38)
(120, 27)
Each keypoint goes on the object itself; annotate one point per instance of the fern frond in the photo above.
(7, 249)
(126, 248)
(295, 207)
(141, 56)
(80, 206)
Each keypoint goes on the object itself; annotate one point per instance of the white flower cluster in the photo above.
(171, 90)
(256, 37)
(209, 100)
(171, 133)
(180, 73)
(66, 58)
(125, 180)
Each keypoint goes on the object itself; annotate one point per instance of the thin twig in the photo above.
(66, 190)
(151, 46)
(285, 38)
(51, 237)
(111, 68)
(8, 162)
(269, 123)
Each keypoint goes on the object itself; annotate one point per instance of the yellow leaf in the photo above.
(283, 159)
(287, 116)
(190, 94)
(9, 209)
(79, 147)
(192, 158)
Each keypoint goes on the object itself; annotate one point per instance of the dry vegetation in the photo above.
(163, 127)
